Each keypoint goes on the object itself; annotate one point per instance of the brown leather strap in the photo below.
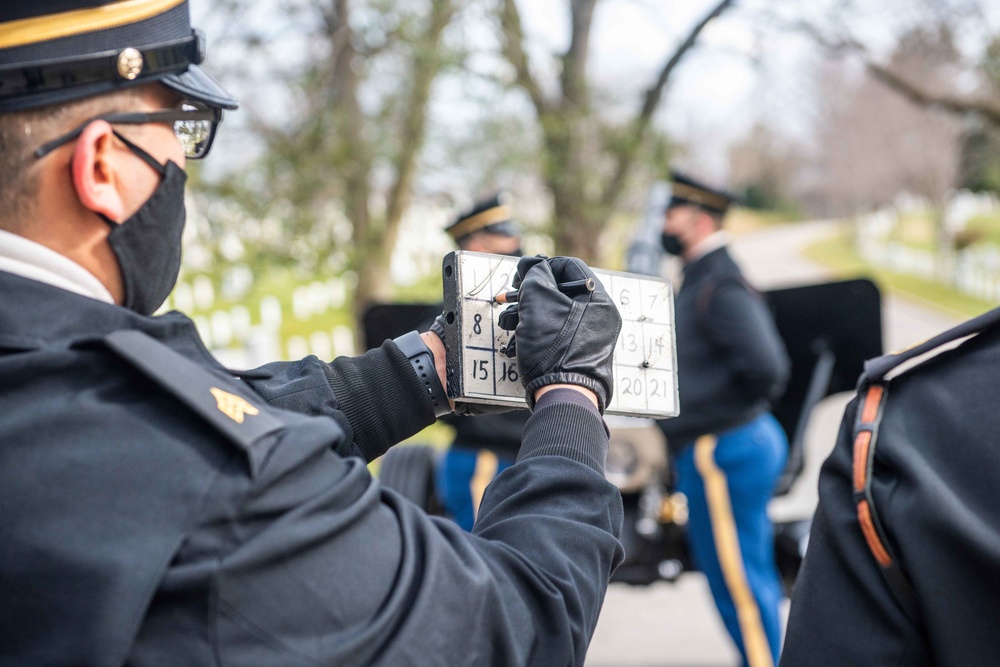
(865, 440)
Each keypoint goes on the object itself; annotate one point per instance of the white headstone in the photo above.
(204, 330)
(204, 293)
(240, 318)
(263, 346)
(338, 292)
(222, 328)
(301, 303)
(320, 298)
(183, 298)
(319, 343)
(343, 341)
(270, 313)
(297, 348)
(237, 282)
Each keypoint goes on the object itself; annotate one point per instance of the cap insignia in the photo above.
(130, 64)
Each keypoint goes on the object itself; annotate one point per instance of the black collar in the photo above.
(34, 314)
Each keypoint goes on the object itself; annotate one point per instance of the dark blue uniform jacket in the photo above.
(936, 488)
(731, 361)
(157, 510)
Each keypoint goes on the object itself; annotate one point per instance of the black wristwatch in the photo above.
(422, 360)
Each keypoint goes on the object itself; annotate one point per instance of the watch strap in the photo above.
(422, 360)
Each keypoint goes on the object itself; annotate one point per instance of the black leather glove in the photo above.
(562, 338)
(461, 408)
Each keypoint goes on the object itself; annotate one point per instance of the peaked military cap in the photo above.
(686, 191)
(56, 51)
(490, 215)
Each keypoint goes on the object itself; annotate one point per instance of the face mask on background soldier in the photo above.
(671, 243)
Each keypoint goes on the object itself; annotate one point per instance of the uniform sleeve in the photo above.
(738, 322)
(354, 391)
(843, 613)
(335, 570)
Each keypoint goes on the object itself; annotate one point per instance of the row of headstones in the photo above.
(308, 301)
(977, 272)
(224, 328)
(962, 207)
(974, 271)
(262, 345)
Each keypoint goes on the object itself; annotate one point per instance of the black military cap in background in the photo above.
(56, 51)
(490, 215)
(686, 191)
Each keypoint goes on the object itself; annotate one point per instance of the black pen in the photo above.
(571, 288)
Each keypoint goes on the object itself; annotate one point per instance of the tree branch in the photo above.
(343, 93)
(988, 108)
(427, 63)
(625, 153)
(574, 83)
(513, 50)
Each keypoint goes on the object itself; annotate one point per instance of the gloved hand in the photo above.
(462, 408)
(562, 338)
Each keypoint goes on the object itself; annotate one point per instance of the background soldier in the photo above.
(157, 510)
(903, 566)
(485, 445)
(728, 450)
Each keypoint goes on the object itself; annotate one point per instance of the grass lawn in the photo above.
(839, 255)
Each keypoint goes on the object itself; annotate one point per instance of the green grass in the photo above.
(917, 230)
(839, 255)
(424, 290)
(986, 228)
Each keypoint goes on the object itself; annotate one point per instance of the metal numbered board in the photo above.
(645, 358)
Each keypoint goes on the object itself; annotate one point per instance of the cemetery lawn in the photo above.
(986, 227)
(838, 254)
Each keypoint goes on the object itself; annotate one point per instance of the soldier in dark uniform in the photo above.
(903, 565)
(486, 445)
(728, 450)
(158, 510)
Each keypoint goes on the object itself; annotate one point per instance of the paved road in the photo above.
(675, 625)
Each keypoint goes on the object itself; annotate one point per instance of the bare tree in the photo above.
(346, 150)
(840, 35)
(586, 159)
(875, 145)
(766, 168)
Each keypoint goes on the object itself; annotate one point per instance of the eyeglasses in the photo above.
(194, 126)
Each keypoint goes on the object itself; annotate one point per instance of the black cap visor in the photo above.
(195, 84)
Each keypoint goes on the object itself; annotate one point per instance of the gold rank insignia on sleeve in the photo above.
(232, 405)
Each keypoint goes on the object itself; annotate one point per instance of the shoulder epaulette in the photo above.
(237, 413)
(878, 368)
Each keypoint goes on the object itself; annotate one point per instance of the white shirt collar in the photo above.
(32, 260)
(713, 241)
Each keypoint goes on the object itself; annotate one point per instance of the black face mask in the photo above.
(515, 253)
(671, 243)
(148, 244)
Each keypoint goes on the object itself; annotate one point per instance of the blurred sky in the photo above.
(719, 90)
(746, 68)
(732, 78)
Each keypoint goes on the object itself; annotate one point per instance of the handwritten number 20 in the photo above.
(631, 387)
